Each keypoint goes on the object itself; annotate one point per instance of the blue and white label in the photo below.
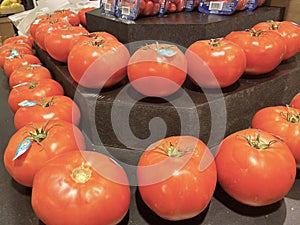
(20, 85)
(27, 103)
(22, 148)
(166, 52)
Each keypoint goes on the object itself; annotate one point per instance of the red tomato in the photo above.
(10, 64)
(18, 39)
(37, 21)
(157, 70)
(82, 15)
(49, 108)
(57, 43)
(89, 187)
(69, 15)
(295, 102)
(33, 92)
(284, 123)
(288, 32)
(241, 5)
(47, 140)
(98, 64)
(32, 72)
(11, 49)
(215, 63)
(94, 36)
(255, 168)
(264, 49)
(177, 177)
(53, 24)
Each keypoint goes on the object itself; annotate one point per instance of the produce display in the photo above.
(177, 176)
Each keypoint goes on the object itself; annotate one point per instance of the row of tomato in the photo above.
(99, 60)
(177, 175)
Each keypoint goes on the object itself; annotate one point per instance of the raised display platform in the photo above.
(181, 28)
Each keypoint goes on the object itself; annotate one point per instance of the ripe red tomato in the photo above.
(284, 123)
(258, 45)
(288, 32)
(295, 102)
(18, 39)
(157, 70)
(94, 36)
(177, 177)
(33, 92)
(10, 64)
(98, 64)
(37, 21)
(254, 167)
(32, 72)
(49, 108)
(241, 5)
(67, 14)
(82, 16)
(51, 25)
(215, 63)
(57, 43)
(89, 187)
(47, 140)
(12, 49)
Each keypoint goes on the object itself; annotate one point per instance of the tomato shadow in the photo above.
(294, 193)
(250, 211)
(152, 219)
(23, 190)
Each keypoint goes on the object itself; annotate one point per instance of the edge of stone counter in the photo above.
(182, 28)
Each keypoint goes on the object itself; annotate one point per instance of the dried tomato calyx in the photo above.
(81, 174)
(46, 104)
(32, 85)
(172, 151)
(256, 143)
(214, 42)
(40, 133)
(255, 33)
(291, 116)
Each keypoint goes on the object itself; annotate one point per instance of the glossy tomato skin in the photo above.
(295, 102)
(278, 121)
(61, 137)
(33, 92)
(18, 39)
(18, 61)
(51, 25)
(49, 108)
(32, 72)
(264, 50)
(255, 177)
(10, 49)
(215, 63)
(67, 14)
(57, 44)
(98, 64)
(153, 74)
(101, 199)
(287, 31)
(37, 21)
(177, 188)
(82, 16)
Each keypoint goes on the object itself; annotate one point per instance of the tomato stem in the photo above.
(46, 104)
(214, 42)
(32, 85)
(290, 115)
(257, 142)
(81, 174)
(172, 151)
(255, 33)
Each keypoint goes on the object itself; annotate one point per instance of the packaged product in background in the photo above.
(171, 6)
(226, 7)
(108, 6)
(132, 9)
(190, 5)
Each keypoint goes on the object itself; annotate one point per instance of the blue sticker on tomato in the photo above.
(22, 148)
(27, 103)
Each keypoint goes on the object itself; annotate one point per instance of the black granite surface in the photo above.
(181, 28)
